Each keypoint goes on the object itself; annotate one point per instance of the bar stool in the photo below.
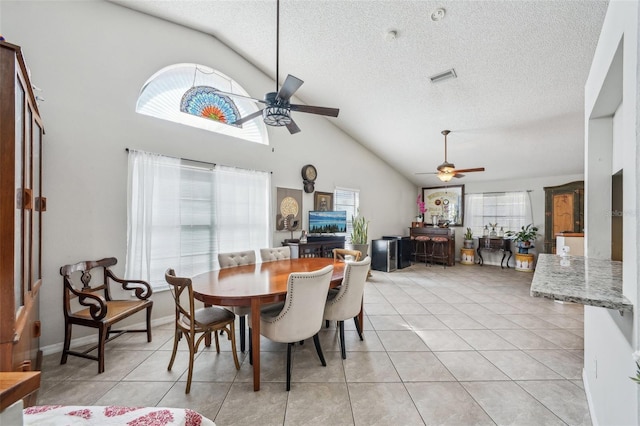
(421, 242)
(439, 250)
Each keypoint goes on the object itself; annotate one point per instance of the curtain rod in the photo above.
(495, 193)
(200, 161)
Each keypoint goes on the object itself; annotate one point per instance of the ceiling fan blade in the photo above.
(427, 173)
(291, 84)
(293, 127)
(249, 117)
(458, 175)
(331, 112)
(477, 169)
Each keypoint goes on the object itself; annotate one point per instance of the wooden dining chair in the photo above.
(189, 322)
(275, 253)
(229, 260)
(346, 254)
(345, 302)
(301, 315)
(97, 307)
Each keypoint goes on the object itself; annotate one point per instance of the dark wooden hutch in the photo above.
(21, 208)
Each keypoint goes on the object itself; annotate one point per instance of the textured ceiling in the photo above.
(516, 107)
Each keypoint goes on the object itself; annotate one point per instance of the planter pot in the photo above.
(524, 262)
(468, 244)
(467, 256)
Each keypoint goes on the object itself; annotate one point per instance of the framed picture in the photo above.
(323, 201)
(445, 203)
(288, 209)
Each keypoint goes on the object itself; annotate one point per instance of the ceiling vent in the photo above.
(446, 75)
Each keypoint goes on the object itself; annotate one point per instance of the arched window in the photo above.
(189, 94)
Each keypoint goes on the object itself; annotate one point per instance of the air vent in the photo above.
(446, 75)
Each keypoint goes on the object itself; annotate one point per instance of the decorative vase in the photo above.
(485, 232)
(434, 221)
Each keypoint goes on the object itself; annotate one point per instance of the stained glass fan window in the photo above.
(207, 102)
(189, 94)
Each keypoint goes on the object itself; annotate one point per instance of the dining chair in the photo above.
(275, 253)
(346, 254)
(345, 302)
(301, 315)
(229, 260)
(88, 302)
(190, 322)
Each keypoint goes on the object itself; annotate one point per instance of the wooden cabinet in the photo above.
(563, 210)
(315, 247)
(430, 231)
(21, 209)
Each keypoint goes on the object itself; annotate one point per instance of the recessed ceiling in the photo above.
(516, 106)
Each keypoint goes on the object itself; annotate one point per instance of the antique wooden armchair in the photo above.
(100, 310)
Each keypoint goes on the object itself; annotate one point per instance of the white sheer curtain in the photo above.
(242, 209)
(182, 214)
(153, 188)
(510, 210)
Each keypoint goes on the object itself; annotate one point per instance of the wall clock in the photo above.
(309, 175)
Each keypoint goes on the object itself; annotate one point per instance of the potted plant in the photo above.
(524, 237)
(468, 239)
(359, 238)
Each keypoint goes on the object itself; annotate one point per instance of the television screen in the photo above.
(327, 222)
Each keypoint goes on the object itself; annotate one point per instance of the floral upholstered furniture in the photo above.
(112, 415)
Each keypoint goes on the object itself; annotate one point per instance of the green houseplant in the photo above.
(468, 238)
(359, 234)
(524, 237)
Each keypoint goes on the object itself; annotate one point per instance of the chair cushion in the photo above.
(439, 239)
(211, 315)
(423, 238)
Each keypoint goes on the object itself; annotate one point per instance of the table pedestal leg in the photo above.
(255, 341)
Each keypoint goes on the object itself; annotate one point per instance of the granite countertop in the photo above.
(595, 282)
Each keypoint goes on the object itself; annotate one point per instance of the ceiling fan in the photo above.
(446, 171)
(277, 110)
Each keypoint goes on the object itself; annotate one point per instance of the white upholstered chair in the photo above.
(190, 322)
(301, 315)
(345, 302)
(275, 253)
(229, 260)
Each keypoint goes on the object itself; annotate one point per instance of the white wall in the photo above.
(612, 88)
(91, 60)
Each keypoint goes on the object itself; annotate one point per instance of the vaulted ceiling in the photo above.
(515, 108)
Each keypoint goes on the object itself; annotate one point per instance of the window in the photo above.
(510, 210)
(349, 200)
(192, 88)
(181, 214)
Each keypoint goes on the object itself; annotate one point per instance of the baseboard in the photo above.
(87, 340)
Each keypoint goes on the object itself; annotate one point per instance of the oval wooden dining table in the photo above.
(255, 285)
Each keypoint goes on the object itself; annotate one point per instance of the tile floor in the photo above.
(464, 345)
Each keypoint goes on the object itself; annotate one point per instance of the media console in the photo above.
(316, 246)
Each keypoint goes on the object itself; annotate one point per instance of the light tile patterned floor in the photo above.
(465, 345)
